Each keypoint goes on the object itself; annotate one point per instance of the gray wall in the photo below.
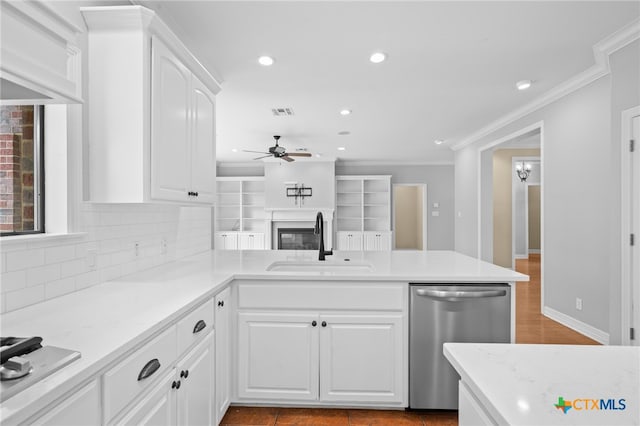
(625, 94)
(440, 186)
(581, 202)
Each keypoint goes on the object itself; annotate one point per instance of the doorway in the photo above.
(410, 218)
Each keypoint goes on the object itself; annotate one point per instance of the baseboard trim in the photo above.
(521, 256)
(576, 325)
(534, 251)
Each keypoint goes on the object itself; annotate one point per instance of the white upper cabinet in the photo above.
(151, 112)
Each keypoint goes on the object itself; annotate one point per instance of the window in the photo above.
(21, 169)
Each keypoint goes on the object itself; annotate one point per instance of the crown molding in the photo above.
(356, 163)
(601, 52)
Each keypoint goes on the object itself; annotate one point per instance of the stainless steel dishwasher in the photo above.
(439, 313)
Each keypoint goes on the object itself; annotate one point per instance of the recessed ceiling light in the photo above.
(377, 57)
(341, 148)
(344, 133)
(523, 84)
(234, 150)
(265, 60)
(438, 141)
(345, 112)
(318, 155)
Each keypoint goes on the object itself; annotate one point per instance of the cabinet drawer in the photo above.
(333, 296)
(123, 383)
(190, 328)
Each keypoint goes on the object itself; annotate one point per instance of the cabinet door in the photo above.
(361, 358)
(278, 356)
(170, 130)
(348, 240)
(251, 241)
(81, 408)
(203, 143)
(223, 353)
(470, 410)
(226, 241)
(195, 394)
(157, 408)
(377, 241)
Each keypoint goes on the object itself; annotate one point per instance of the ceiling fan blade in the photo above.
(287, 158)
(264, 156)
(299, 154)
(258, 152)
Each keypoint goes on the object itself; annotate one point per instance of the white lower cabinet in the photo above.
(226, 241)
(183, 396)
(321, 357)
(361, 358)
(470, 410)
(195, 379)
(349, 240)
(223, 354)
(82, 408)
(250, 241)
(377, 241)
(278, 356)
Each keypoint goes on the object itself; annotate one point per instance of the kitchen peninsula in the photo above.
(113, 322)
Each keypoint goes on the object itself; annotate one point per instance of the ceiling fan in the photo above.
(280, 152)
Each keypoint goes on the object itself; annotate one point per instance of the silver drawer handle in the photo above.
(463, 294)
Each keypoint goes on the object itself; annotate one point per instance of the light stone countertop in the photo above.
(520, 384)
(106, 321)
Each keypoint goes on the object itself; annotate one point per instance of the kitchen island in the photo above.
(112, 321)
(547, 384)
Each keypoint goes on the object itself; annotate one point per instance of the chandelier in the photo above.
(523, 170)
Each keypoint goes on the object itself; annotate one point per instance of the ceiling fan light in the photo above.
(377, 57)
(438, 141)
(266, 61)
(341, 148)
(345, 112)
(523, 84)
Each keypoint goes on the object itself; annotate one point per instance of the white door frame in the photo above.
(514, 160)
(423, 188)
(535, 126)
(628, 263)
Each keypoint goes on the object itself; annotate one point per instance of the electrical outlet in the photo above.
(136, 248)
(163, 245)
(578, 303)
(92, 262)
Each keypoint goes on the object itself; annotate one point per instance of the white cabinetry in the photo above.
(349, 240)
(470, 410)
(363, 212)
(194, 381)
(151, 121)
(377, 241)
(226, 241)
(223, 353)
(240, 212)
(322, 343)
(156, 408)
(278, 356)
(80, 409)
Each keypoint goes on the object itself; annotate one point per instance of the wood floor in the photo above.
(531, 327)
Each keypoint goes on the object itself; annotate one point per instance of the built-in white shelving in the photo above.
(240, 210)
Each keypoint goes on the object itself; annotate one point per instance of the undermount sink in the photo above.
(319, 266)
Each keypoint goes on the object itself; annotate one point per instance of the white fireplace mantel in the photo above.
(275, 215)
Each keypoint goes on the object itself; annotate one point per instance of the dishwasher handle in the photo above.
(456, 295)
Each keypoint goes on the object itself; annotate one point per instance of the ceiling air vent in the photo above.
(281, 112)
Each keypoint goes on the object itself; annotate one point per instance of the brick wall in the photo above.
(16, 168)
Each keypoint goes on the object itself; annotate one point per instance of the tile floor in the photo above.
(531, 327)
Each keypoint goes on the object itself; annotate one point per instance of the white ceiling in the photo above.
(451, 68)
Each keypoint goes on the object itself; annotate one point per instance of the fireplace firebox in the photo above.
(297, 239)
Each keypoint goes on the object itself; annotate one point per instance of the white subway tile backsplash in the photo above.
(58, 288)
(24, 259)
(73, 267)
(24, 297)
(35, 271)
(12, 281)
(43, 274)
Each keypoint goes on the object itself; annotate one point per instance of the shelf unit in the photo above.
(363, 206)
(240, 210)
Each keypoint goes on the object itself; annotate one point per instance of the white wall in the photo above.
(440, 185)
(519, 204)
(576, 139)
(318, 175)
